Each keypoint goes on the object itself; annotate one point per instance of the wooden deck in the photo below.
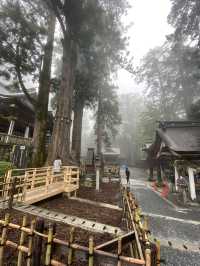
(35, 184)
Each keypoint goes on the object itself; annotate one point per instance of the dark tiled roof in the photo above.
(183, 136)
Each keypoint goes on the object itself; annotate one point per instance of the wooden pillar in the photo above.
(10, 129)
(97, 178)
(159, 174)
(150, 173)
(26, 133)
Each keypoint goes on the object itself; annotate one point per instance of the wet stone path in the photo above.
(179, 227)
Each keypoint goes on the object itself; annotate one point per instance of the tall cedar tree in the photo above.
(77, 20)
(26, 33)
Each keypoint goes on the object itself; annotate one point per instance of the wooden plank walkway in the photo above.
(35, 184)
(70, 220)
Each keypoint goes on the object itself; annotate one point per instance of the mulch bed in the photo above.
(83, 210)
(109, 194)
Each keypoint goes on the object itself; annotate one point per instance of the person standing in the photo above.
(57, 165)
(127, 175)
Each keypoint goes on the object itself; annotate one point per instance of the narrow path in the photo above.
(67, 219)
(177, 226)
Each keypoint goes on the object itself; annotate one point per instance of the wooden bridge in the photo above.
(35, 184)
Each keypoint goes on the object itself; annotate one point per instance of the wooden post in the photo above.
(30, 243)
(3, 238)
(70, 254)
(21, 242)
(148, 255)
(158, 252)
(25, 186)
(119, 251)
(11, 193)
(37, 244)
(97, 177)
(49, 246)
(33, 179)
(91, 251)
(7, 181)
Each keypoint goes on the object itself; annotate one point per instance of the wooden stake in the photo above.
(91, 251)
(49, 246)
(148, 256)
(3, 238)
(119, 251)
(158, 252)
(21, 242)
(71, 239)
(30, 243)
(37, 244)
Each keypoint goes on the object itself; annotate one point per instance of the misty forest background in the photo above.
(72, 64)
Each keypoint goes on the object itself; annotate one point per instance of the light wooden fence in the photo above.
(35, 184)
(142, 248)
(35, 247)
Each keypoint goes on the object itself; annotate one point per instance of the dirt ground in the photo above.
(109, 194)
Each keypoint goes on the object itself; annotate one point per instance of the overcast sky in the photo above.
(149, 18)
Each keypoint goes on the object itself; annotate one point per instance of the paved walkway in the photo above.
(181, 227)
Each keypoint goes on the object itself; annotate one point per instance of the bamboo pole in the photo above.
(21, 242)
(158, 252)
(91, 251)
(148, 255)
(30, 243)
(70, 254)
(119, 251)
(49, 246)
(37, 245)
(3, 238)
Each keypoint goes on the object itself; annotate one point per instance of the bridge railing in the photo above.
(34, 184)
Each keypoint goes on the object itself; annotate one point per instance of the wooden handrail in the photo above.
(41, 179)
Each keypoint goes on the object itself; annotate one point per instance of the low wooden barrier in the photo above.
(35, 247)
(35, 184)
(143, 248)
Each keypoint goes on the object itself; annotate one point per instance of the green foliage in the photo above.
(184, 17)
(107, 113)
(4, 166)
(22, 32)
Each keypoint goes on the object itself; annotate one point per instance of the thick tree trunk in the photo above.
(60, 144)
(77, 130)
(39, 151)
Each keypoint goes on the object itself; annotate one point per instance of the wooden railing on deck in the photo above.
(35, 184)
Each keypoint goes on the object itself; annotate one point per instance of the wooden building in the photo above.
(17, 118)
(176, 152)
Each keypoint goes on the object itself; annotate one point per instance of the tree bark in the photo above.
(60, 144)
(41, 119)
(77, 130)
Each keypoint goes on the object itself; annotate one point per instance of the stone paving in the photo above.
(177, 226)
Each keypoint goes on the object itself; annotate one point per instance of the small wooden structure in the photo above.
(35, 184)
(37, 247)
(111, 161)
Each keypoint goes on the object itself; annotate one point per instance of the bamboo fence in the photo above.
(35, 247)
